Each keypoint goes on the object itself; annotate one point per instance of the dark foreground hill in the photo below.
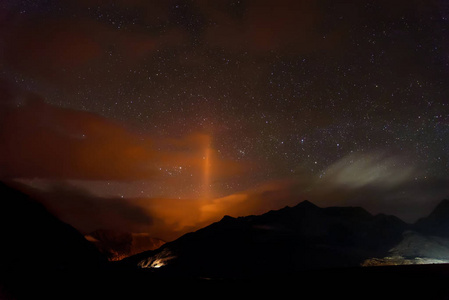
(35, 244)
(34, 239)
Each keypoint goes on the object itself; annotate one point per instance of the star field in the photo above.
(289, 87)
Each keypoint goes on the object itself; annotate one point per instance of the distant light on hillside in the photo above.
(157, 261)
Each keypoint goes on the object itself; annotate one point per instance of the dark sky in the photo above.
(183, 111)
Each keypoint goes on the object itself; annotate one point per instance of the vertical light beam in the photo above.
(207, 171)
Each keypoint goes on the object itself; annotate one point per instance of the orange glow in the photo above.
(207, 172)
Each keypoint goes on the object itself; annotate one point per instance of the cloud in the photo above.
(381, 182)
(57, 144)
(387, 185)
(375, 168)
(40, 140)
(53, 149)
(166, 218)
(378, 181)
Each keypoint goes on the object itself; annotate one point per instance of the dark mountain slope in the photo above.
(33, 238)
(286, 241)
(437, 223)
(39, 254)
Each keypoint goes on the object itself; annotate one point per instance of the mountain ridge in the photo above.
(270, 247)
(287, 240)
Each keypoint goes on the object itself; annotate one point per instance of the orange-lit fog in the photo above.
(95, 172)
(206, 172)
(76, 146)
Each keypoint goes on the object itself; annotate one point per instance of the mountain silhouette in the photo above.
(285, 241)
(42, 257)
(437, 222)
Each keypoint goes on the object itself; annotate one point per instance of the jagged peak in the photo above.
(306, 203)
(227, 218)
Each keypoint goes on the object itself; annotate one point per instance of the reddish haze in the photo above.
(43, 141)
(62, 152)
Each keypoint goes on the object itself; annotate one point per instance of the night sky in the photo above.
(163, 116)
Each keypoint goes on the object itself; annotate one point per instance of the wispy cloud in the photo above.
(40, 140)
